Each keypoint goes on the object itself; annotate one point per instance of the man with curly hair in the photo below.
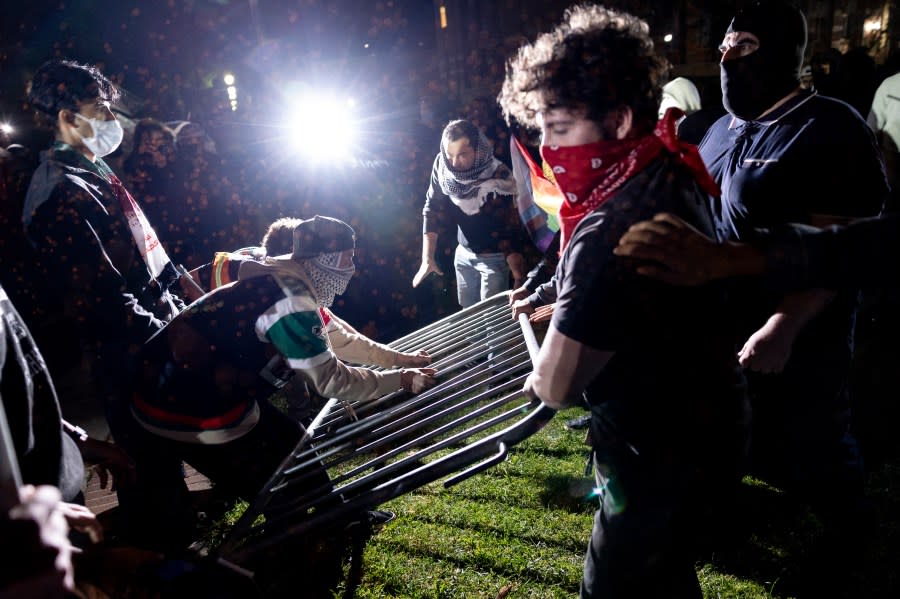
(655, 364)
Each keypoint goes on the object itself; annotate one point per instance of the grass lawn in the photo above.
(520, 530)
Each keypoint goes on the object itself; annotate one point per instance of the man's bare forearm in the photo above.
(429, 246)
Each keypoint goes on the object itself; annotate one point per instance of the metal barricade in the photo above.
(377, 450)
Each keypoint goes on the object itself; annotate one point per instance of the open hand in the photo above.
(82, 519)
(427, 267)
(38, 534)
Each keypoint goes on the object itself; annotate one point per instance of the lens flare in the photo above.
(321, 128)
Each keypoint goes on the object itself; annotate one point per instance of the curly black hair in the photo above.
(597, 59)
(64, 84)
(279, 237)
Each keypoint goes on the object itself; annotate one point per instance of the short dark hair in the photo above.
(279, 237)
(597, 59)
(459, 129)
(64, 84)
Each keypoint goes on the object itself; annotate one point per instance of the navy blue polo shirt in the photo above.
(812, 155)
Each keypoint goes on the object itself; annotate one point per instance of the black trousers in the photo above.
(643, 543)
(158, 509)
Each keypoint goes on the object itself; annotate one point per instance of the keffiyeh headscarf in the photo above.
(328, 280)
(470, 188)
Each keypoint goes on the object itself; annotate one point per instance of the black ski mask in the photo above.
(753, 83)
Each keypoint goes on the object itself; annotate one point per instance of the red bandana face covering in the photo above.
(590, 174)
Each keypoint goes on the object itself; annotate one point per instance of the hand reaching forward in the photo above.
(416, 380)
(416, 360)
(82, 519)
(427, 267)
(679, 254)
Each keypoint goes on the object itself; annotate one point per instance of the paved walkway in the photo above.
(100, 500)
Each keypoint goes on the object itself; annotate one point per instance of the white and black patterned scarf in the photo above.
(469, 189)
(328, 280)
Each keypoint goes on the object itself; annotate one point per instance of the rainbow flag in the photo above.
(538, 198)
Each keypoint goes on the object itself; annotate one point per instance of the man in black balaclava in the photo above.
(761, 57)
(789, 155)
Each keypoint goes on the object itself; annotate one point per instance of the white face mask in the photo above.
(107, 135)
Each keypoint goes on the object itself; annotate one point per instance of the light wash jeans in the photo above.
(479, 276)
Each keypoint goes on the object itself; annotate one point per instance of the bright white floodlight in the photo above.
(321, 128)
(6, 128)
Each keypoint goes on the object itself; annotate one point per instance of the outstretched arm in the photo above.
(436, 202)
(352, 346)
(792, 256)
(680, 255)
(293, 326)
(111, 460)
(429, 265)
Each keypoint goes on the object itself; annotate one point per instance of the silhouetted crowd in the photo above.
(101, 230)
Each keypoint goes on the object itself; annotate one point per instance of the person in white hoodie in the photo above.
(680, 93)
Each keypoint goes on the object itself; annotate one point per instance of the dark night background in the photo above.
(169, 57)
